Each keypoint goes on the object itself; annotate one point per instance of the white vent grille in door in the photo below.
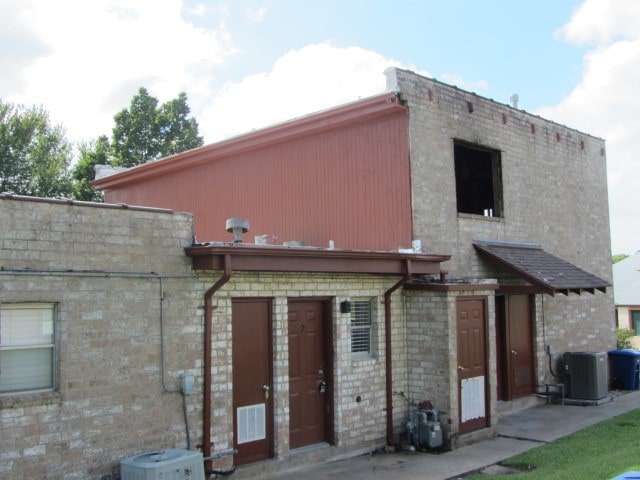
(251, 423)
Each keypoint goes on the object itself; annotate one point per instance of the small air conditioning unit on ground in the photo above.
(170, 464)
(588, 375)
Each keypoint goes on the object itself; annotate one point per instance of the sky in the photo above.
(246, 64)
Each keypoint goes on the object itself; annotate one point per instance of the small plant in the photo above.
(623, 338)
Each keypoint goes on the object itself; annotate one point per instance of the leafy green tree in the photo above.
(146, 132)
(618, 257)
(34, 154)
(90, 154)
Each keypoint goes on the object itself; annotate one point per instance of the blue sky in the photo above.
(245, 64)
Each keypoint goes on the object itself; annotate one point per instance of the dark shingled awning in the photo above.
(541, 269)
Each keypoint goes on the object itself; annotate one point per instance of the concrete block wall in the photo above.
(554, 188)
(109, 402)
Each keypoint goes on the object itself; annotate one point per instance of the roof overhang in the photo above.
(271, 258)
(545, 272)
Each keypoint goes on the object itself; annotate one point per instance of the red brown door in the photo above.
(252, 384)
(309, 374)
(520, 346)
(472, 364)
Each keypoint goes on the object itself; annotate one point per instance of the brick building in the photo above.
(443, 232)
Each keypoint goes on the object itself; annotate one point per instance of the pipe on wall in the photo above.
(208, 376)
(388, 348)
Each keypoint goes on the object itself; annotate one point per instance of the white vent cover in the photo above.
(170, 464)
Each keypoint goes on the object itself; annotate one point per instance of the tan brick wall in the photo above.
(554, 192)
(112, 272)
(110, 403)
(356, 424)
(432, 353)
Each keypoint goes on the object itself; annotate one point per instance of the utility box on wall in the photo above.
(587, 374)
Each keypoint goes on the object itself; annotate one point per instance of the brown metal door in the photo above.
(309, 374)
(252, 385)
(519, 346)
(472, 364)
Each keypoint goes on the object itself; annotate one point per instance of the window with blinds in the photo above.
(27, 347)
(361, 315)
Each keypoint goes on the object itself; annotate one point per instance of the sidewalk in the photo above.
(517, 432)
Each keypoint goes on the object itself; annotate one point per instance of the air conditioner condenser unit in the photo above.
(170, 464)
(587, 374)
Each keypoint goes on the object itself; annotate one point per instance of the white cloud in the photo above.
(606, 103)
(302, 81)
(602, 21)
(100, 51)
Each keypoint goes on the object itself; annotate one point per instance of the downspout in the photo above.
(388, 356)
(208, 377)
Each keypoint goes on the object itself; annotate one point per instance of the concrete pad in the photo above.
(517, 432)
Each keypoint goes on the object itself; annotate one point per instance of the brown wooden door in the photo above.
(502, 382)
(514, 346)
(520, 346)
(309, 366)
(472, 364)
(252, 380)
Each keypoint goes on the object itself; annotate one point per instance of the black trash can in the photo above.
(625, 368)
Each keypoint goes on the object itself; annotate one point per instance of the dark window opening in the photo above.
(478, 180)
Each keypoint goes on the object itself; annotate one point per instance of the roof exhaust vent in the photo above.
(514, 100)
(237, 226)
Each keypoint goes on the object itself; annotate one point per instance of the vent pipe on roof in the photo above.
(237, 226)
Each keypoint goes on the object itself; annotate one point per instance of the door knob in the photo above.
(460, 367)
(266, 389)
(514, 353)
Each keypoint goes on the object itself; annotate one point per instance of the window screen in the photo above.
(26, 347)
(361, 326)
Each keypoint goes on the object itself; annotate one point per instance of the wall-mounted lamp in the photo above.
(345, 306)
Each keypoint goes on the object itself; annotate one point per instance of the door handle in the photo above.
(322, 386)
(266, 389)
(514, 353)
(460, 367)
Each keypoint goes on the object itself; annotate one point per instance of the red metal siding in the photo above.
(350, 185)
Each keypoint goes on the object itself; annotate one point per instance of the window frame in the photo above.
(468, 203)
(634, 321)
(367, 327)
(50, 347)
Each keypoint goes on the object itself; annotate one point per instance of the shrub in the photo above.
(623, 338)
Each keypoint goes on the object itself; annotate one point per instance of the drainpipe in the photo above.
(387, 339)
(208, 330)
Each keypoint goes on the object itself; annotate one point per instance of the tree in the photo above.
(34, 155)
(90, 154)
(618, 257)
(145, 132)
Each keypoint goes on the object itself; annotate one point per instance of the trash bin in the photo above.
(627, 476)
(625, 368)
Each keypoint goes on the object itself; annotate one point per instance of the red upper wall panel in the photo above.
(341, 175)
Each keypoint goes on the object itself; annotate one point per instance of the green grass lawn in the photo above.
(602, 451)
